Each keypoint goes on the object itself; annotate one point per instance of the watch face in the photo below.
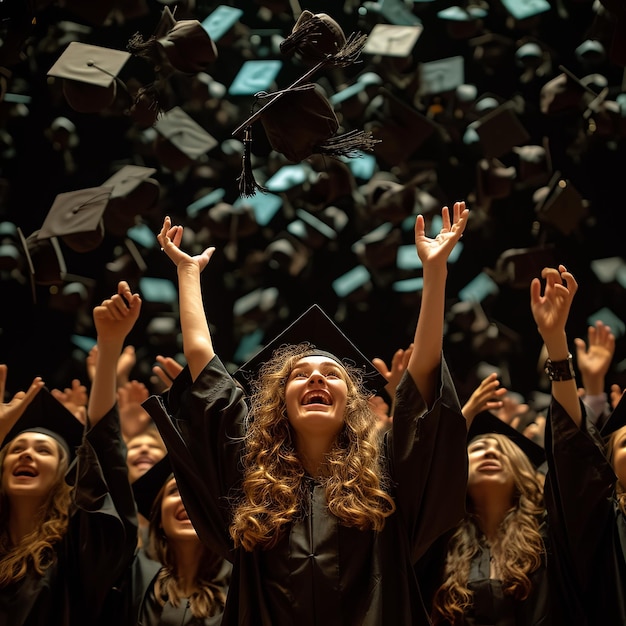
(392, 41)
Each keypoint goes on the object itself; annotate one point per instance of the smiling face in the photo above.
(316, 394)
(174, 519)
(143, 451)
(30, 466)
(489, 470)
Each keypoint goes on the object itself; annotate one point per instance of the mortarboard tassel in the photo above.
(308, 32)
(248, 186)
(348, 144)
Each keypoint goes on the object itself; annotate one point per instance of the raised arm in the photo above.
(428, 343)
(113, 320)
(197, 342)
(551, 311)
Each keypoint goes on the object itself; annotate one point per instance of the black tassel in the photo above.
(307, 33)
(348, 144)
(350, 52)
(248, 186)
(146, 49)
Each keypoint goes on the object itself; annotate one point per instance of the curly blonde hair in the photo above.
(518, 549)
(273, 487)
(35, 551)
(207, 598)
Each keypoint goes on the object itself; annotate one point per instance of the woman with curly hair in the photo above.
(67, 536)
(494, 563)
(322, 520)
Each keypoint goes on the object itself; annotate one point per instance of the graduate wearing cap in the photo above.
(494, 568)
(322, 518)
(175, 579)
(586, 477)
(66, 536)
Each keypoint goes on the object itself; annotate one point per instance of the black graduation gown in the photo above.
(133, 603)
(580, 493)
(491, 607)
(320, 572)
(98, 546)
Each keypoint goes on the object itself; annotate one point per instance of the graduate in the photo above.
(586, 477)
(322, 521)
(68, 525)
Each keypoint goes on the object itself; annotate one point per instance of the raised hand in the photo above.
(486, 397)
(133, 417)
(12, 410)
(115, 317)
(166, 370)
(170, 237)
(594, 357)
(74, 399)
(437, 250)
(551, 309)
(393, 374)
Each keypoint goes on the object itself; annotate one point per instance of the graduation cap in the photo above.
(399, 128)
(180, 140)
(525, 9)
(89, 75)
(379, 247)
(45, 414)
(298, 123)
(183, 46)
(316, 328)
(44, 260)
(462, 22)
(255, 75)
(388, 199)
(486, 423)
(392, 40)
(133, 193)
(314, 37)
(560, 204)
(76, 217)
(500, 131)
(221, 20)
(147, 486)
(441, 75)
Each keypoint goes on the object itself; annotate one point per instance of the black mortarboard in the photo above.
(313, 37)
(517, 267)
(89, 75)
(77, 218)
(462, 22)
(134, 192)
(399, 128)
(500, 131)
(148, 485)
(181, 140)
(485, 423)
(316, 328)
(44, 260)
(301, 122)
(560, 204)
(184, 45)
(47, 415)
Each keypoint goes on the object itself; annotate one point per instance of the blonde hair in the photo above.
(620, 490)
(35, 551)
(518, 549)
(274, 479)
(208, 597)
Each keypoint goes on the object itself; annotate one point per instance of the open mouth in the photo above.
(25, 471)
(181, 515)
(317, 397)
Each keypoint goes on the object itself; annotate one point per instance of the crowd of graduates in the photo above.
(312, 314)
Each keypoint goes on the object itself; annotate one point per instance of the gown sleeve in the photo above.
(579, 499)
(102, 532)
(427, 455)
(202, 426)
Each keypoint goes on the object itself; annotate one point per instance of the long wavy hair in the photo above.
(208, 596)
(35, 551)
(620, 490)
(518, 548)
(274, 479)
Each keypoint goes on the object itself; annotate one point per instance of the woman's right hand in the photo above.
(170, 237)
